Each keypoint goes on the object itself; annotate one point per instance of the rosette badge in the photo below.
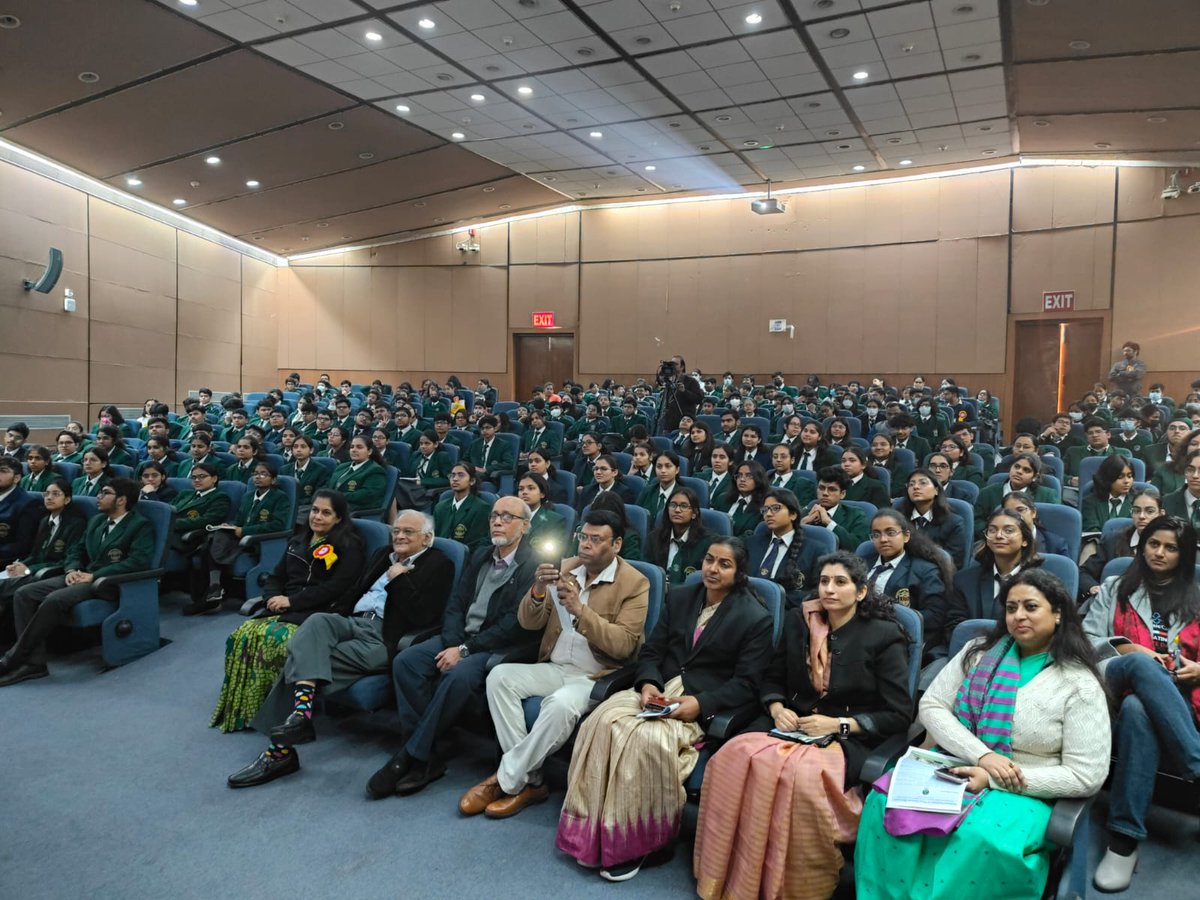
(325, 553)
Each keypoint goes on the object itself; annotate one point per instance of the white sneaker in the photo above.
(1115, 871)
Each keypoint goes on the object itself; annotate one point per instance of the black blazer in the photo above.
(310, 584)
(868, 681)
(974, 596)
(500, 627)
(724, 668)
(415, 600)
(623, 488)
(951, 535)
(797, 574)
(917, 583)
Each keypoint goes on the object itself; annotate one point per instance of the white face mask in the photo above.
(872, 411)
(1076, 416)
(848, 403)
(555, 413)
(728, 382)
(1128, 424)
(1156, 396)
(924, 410)
(787, 408)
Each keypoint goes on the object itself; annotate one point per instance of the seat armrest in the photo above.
(1065, 817)
(367, 513)
(618, 680)
(251, 540)
(407, 640)
(49, 572)
(725, 725)
(126, 577)
(884, 757)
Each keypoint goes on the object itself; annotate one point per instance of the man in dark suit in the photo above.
(19, 513)
(404, 589)
(1058, 434)
(1098, 444)
(437, 679)
(15, 437)
(1185, 503)
(117, 541)
(491, 458)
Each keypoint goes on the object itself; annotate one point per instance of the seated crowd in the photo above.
(854, 500)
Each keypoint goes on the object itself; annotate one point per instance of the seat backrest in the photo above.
(1116, 566)
(914, 626)
(566, 480)
(639, 520)
(402, 451)
(1108, 535)
(456, 552)
(658, 589)
(160, 515)
(69, 471)
(504, 406)
(119, 471)
(637, 482)
(884, 475)
(513, 441)
(699, 485)
(1066, 522)
(1066, 570)
(287, 484)
(966, 631)
(773, 596)
(905, 458)
(624, 461)
(763, 423)
(713, 423)
(967, 491)
(661, 442)
(234, 490)
(568, 514)
(452, 452)
(966, 512)
(683, 466)
(374, 535)
(88, 505)
(467, 438)
(325, 461)
(488, 497)
(277, 459)
(716, 522)
(867, 509)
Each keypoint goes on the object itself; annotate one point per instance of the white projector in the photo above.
(767, 207)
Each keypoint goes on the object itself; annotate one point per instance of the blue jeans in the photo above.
(1155, 719)
(429, 702)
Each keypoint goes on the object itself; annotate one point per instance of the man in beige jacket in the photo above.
(593, 611)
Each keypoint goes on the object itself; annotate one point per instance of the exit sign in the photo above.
(543, 320)
(1058, 301)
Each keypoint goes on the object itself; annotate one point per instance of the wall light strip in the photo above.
(48, 168)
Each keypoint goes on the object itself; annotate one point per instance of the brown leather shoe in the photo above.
(510, 805)
(476, 800)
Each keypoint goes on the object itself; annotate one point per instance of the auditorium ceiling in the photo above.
(303, 124)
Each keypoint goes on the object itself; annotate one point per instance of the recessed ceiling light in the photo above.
(1080, 45)
(133, 182)
(506, 206)
(859, 168)
(988, 152)
(641, 190)
(1038, 2)
(366, 155)
(584, 51)
(596, 134)
(1041, 123)
(965, 9)
(753, 19)
(304, 238)
(833, 133)
(525, 90)
(749, 143)
(842, 147)
(651, 168)
(705, 147)
(838, 33)
(188, 2)
(458, 135)
(861, 74)
(213, 160)
(89, 77)
(439, 219)
(972, 57)
(252, 183)
(489, 189)
(1156, 120)
(895, 141)
(444, 76)
(528, 4)
(813, 104)
(9, 22)
(823, 4)
(906, 162)
(724, 118)
(258, 238)
(478, 98)
(985, 127)
(322, 224)
(179, 201)
(549, 178)
(420, 204)
(1101, 145)
(643, 40)
(426, 23)
(401, 108)
(373, 36)
(345, 237)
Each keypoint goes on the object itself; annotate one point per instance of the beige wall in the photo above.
(159, 311)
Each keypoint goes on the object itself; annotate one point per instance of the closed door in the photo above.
(1056, 362)
(538, 358)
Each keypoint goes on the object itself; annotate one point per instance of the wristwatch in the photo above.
(464, 651)
(843, 728)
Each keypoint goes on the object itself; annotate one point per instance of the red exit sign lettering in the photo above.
(543, 320)
(1058, 301)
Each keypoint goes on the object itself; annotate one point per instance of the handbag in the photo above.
(901, 822)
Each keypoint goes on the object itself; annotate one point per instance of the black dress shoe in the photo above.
(265, 768)
(296, 729)
(420, 776)
(23, 672)
(200, 607)
(383, 782)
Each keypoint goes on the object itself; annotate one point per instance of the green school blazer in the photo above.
(128, 548)
(40, 482)
(363, 487)
(850, 526)
(804, 488)
(1096, 512)
(238, 472)
(744, 519)
(271, 513)
(80, 489)
(468, 524)
(184, 467)
(1075, 454)
(872, 490)
(547, 526)
(51, 551)
(171, 467)
(500, 460)
(314, 477)
(194, 512)
(433, 472)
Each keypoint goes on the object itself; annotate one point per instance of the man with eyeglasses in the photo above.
(437, 679)
(402, 591)
(1183, 503)
(592, 613)
(1156, 456)
(118, 540)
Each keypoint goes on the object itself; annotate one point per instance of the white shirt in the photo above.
(832, 524)
(572, 649)
(926, 517)
(457, 504)
(881, 580)
(787, 545)
(674, 547)
(996, 580)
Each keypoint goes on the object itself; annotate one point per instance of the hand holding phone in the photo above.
(947, 774)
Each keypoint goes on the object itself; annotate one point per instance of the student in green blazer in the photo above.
(435, 403)
(547, 526)
(1170, 476)
(490, 457)
(1176, 504)
(666, 472)
(962, 469)
(904, 429)
(783, 475)
(195, 509)
(539, 437)
(1025, 474)
(721, 492)
(382, 444)
(245, 451)
(40, 474)
(679, 540)
(42, 606)
(462, 515)
(848, 525)
(1127, 435)
(363, 479)
(111, 439)
(159, 450)
(856, 463)
(1173, 443)
(238, 422)
(264, 510)
(199, 451)
(67, 446)
(310, 477)
(1096, 432)
(406, 429)
(930, 424)
(749, 489)
(60, 529)
(622, 421)
(1111, 496)
(430, 465)
(95, 473)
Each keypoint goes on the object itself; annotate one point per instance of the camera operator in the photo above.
(681, 394)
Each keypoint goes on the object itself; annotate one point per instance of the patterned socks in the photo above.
(278, 751)
(304, 700)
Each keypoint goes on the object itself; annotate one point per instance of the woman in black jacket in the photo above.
(838, 679)
(316, 574)
(706, 656)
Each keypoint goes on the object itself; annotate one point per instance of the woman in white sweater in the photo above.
(1026, 708)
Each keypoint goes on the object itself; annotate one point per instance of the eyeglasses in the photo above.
(1018, 508)
(106, 492)
(1006, 531)
(679, 507)
(407, 532)
(773, 508)
(939, 465)
(505, 517)
(590, 540)
(887, 533)
(200, 476)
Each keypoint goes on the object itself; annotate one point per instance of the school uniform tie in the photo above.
(1196, 515)
(771, 558)
(1114, 506)
(487, 448)
(108, 530)
(716, 479)
(879, 569)
(778, 481)
(806, 460)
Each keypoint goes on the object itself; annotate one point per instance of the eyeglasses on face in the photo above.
(1006, 530)
(106, 492)
(506, 518)
(773, 508)
(679, 507)
(406, 532)
(590, 540)
(886, 533)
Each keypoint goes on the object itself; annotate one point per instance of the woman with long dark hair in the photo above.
(680, 540)
(840, 670)
(1024, 474)
(1009, 547)
(856, 463)
(96, 473)
(910, 568)
(697, 449)
(1146, 623)
(1111, 496)
(749, 488)
(362, 477)
(924, 503)
(1145, 507)
(883, 456)
(112, 439)
(1026, 710)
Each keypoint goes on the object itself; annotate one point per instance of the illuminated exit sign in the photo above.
(543, 320)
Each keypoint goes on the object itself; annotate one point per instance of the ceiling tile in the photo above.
(900, 19)
(952, 12)
(911, 43)
(921, 64)
(694, 29)
(968, 33)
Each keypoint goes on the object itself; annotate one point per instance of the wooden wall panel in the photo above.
(1063, 196)
(383, 307)
(545, 239)
(973, 205)
(1140, 194)
(209, 320)
(1072, 259)
(261, 322)
(543, 288)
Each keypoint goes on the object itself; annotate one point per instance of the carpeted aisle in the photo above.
(114, 787)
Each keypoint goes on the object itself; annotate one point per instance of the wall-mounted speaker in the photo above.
(45, 284)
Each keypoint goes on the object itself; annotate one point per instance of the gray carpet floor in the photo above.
(113, 786)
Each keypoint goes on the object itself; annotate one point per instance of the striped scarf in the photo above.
(986, 698)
